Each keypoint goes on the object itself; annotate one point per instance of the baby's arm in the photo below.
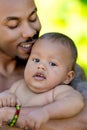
(67, 103)
(8, 97)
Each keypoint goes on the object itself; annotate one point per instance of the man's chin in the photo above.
(21, 60)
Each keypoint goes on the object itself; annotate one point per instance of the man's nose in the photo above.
(28, 30)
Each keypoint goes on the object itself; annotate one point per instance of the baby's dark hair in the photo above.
(63, 40)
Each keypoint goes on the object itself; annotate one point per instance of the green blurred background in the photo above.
(69, 17)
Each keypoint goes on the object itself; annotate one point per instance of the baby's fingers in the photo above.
(11, 101)
(37, 126)
(3, 103)
(31, 124)
(18, 102)
(34, 125)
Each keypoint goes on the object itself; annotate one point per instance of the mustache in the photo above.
(31, 39)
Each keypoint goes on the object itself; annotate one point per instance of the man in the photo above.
(19, 29)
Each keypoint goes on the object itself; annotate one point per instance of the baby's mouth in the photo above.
(39, 76)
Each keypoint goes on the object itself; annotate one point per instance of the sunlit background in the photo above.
(68, 17)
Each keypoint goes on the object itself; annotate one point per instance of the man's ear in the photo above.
(70, 76)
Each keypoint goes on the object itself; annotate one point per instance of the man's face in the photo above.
(19, 27)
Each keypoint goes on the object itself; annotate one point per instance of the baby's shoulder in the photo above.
(16, 85)
(60, 90)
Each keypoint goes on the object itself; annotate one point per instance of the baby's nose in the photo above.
(42, 67)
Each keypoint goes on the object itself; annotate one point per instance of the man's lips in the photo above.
(26, 46)
(27, 43)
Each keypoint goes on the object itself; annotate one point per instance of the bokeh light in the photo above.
(68, 17)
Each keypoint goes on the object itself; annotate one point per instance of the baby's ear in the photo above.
(70, 76)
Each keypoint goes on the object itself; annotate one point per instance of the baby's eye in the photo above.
(52, 64)
(36, 60)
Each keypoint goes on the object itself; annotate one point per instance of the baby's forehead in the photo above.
(50, 45)
(52, 42)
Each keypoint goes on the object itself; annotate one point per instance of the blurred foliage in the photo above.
(69, 17)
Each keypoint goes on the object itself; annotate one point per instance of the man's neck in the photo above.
(11, 70)
(7, 65)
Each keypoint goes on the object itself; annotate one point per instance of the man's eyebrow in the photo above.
(15, 18)
(12, 18)
(35, 10)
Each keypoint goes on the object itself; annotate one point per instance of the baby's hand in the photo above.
(8, 99)
(36, 118)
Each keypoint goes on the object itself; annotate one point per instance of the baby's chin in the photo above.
(37, 90)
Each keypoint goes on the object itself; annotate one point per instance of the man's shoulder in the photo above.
(79, 76)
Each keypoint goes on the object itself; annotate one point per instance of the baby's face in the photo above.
(48, 65)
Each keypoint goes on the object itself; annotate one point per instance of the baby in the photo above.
(46, 83)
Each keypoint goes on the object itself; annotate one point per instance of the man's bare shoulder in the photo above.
(82, 88)
(79, 76)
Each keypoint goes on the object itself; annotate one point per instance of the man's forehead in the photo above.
(16, 6)
(8, 4)
(13, 2)
(7, 1)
